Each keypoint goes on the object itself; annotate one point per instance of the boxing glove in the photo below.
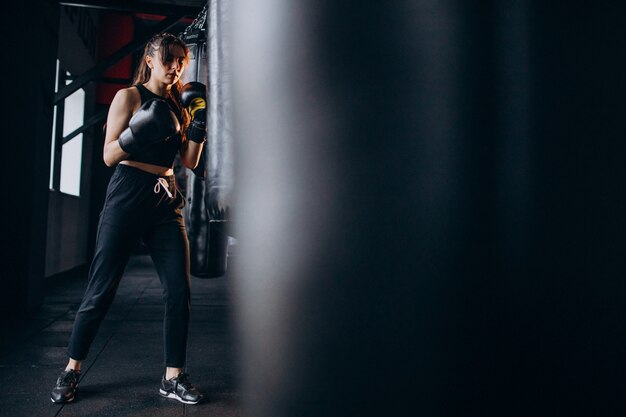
(153, 122)
(193, 98)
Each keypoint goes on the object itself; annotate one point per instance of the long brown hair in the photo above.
(163, 43)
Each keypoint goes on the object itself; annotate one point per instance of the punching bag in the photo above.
(209, 185)
(218, 148)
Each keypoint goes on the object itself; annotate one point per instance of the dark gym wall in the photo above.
(68, 215)
(31, 32)
(430, 207)
(576, 292)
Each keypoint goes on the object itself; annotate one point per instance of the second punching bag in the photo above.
(209, 188)
(219, 162)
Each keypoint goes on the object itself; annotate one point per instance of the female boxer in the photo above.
(148, 123)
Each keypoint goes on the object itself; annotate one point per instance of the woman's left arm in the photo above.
(190, 155)
(193, 98)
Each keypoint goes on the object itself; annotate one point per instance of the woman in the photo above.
(147, 124)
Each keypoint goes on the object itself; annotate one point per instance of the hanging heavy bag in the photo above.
(210, 187)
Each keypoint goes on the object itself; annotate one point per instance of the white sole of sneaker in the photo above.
(175, 397)
(63, 402)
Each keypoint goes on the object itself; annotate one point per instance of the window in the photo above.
(68, 116)
(54, 130)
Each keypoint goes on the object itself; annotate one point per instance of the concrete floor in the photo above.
(122, 374)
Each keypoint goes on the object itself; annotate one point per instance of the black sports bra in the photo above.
(160, 153)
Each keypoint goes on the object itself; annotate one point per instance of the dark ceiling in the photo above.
(162, 7)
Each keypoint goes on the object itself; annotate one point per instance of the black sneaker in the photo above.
(66, 386)
(179, 388)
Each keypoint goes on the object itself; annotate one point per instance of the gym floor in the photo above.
(122, 374)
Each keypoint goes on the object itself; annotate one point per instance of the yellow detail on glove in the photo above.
(197, 103)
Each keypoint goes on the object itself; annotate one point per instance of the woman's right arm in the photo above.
(121, 110)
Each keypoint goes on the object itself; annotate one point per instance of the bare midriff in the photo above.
(153, 169)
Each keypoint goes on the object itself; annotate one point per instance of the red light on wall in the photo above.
(116, 30)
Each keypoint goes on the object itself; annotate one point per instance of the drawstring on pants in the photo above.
(162, 182)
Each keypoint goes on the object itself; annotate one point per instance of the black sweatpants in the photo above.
(138, 205)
